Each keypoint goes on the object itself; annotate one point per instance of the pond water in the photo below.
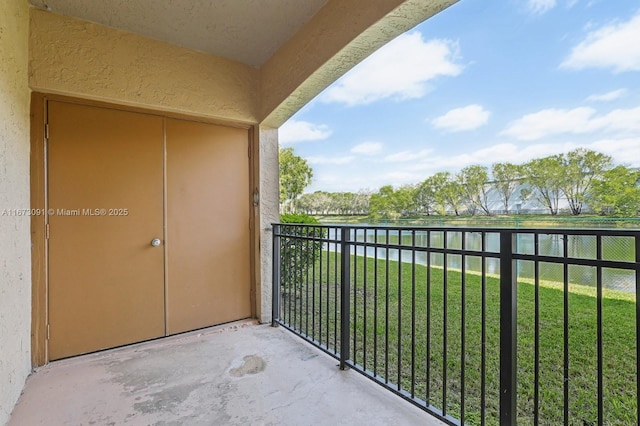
(615, 248)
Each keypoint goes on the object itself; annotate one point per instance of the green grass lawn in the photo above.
(404, 302)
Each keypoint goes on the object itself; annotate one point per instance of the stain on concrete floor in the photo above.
(251, 364)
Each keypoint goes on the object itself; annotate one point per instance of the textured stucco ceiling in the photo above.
(248, 31)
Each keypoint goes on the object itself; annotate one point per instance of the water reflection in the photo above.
(553, 245)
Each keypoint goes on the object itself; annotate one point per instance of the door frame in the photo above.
(39, 206)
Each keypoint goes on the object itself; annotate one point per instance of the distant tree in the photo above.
(381, 204)
(406, 200)
(451, 194)
(426, 194)
(339, 202)
(473, 183)
(390, 203)
(581, 168)
(295, 176)
(436, 185)
(571, 175)
(546, 177)
(310, 203)
(616, 192)
(361, 201)
(343, 203)
(323, 202)
(507, 178)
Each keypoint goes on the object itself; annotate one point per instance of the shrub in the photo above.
(298, 255)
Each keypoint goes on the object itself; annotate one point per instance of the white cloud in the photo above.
(402, 178)
(404, 156)
(619, 120)
(399, 70)
(613, 46)
(607, 97)
(623, 151)
(462, 119)
(347, 181)
(367, 148)
(581, 120)
(300, 131)
(330, 160)
(571, 3)
(539, 7)
(548, 122)
(504, 152)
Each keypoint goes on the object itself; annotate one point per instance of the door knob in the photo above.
(156, 242)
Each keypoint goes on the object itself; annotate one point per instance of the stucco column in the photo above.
(269, 194)
(15, 244)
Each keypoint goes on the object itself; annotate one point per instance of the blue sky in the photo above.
(481, 82)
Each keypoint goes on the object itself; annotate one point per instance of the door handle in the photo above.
(156, 242)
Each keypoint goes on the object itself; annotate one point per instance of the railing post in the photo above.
(508, 327)
(275, 293)
(345, 296)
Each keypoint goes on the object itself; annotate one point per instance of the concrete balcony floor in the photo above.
(238, 374)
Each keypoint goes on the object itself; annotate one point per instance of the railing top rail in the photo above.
(549, 231)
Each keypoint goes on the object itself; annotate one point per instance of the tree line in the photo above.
(571, 181)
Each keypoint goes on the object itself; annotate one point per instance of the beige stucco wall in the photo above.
(15, 259)
(79, 58)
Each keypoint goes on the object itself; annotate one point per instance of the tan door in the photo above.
(208, 275)
(106, 281)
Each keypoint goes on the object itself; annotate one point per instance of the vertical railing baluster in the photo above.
(445, 279)
(599, 330)
(345, 303)
(318, 234)
(289, 274)
(364, 301)
(297, 310)
(463, 313)
(276, 273)
(637, 247)
(328, 307)
(375, 303)
(306, 282)
(336, 287)
(354, 301)
(399, 351)
(428, 343)
(413, 313)
(508, 328)
(386, 311)
(536, 333)
(483, 334)
(565, 254)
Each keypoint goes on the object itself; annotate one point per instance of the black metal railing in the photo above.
(475, 326)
